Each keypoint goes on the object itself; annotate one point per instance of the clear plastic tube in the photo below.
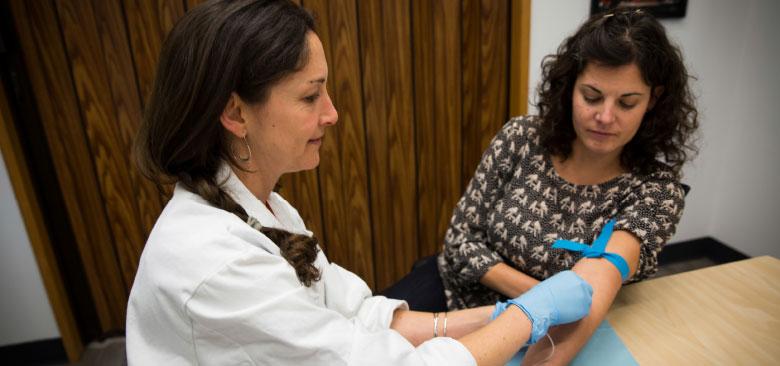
(552, 351)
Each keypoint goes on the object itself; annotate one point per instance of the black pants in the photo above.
(421, 288)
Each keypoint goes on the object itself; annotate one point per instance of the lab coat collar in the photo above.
(281, 218)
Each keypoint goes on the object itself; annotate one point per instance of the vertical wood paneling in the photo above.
(422, 40)
(447, 104)
(302, 190)
(484, 77)
(493, 74)
(471, 60)
(193, 3)
(41, 41)
(148, 23)
(343, 177)
(105, 116)
(126, 104)
(518, 64)
(387, 98)
(437, 43)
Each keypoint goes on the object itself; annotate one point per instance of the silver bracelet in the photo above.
(435, 325)
(444, 333)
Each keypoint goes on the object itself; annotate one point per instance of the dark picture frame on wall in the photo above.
(659, 8)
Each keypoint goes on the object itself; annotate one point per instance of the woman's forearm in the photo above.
(606, 282)
(570, 338)
(496, 343)
(507, 281)
(417, 327)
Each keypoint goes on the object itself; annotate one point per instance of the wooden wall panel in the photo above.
(148, 22)
(471, 62)
(104, 112)
(447, 104)
(484, 78)
(387, 99)
(493, 76)
(193, 3)
(437, 46)
(519, 44)
(302, 190)
(343, 177)
(41, 40)
(424, 69)
(126, 104)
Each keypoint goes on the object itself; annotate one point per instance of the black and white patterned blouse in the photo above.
(516, 206)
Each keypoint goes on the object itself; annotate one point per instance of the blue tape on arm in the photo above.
(596, 250)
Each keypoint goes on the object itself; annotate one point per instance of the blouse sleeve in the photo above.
(255, 311)
(651, 212)
(467, 254)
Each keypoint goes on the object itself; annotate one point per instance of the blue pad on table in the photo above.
(603, 349)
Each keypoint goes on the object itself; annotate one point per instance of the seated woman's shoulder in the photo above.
(662, 180)
(525, 125)
(527, 120)
(660, 171)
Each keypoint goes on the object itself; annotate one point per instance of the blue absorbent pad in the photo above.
(603, 349)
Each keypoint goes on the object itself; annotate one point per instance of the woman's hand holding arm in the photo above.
(560, 299)
(606, 281)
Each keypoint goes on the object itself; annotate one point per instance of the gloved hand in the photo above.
(560, 299)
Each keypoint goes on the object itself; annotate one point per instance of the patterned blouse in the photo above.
(516, 206)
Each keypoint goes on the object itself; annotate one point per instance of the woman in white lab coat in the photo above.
(230, 275)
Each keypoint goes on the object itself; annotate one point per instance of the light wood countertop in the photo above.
(722, 315)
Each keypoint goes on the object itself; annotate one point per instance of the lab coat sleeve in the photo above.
(349, 295)
(254, 310)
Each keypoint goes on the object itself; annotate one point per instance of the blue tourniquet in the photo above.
(596, 250)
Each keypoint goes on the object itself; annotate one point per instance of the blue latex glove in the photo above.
(560, 299)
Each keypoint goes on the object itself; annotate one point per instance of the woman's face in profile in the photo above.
(287, 130)
(608, 104)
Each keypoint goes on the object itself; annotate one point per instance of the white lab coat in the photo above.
(211, 290)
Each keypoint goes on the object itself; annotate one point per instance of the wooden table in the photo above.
(721, 315)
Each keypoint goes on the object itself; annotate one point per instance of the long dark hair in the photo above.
(220, 47)
(615, 39)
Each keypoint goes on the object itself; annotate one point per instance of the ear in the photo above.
(231, 117)
(657, 92)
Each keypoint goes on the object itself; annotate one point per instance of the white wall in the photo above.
(25, 313)
(749, 169)
(730, 47)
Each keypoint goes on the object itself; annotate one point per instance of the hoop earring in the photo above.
(248, 156)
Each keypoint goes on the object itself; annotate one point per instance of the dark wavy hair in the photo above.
(220, 47)
(620, 38)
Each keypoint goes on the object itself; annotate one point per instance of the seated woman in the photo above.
(615, 121)
(230, 275)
